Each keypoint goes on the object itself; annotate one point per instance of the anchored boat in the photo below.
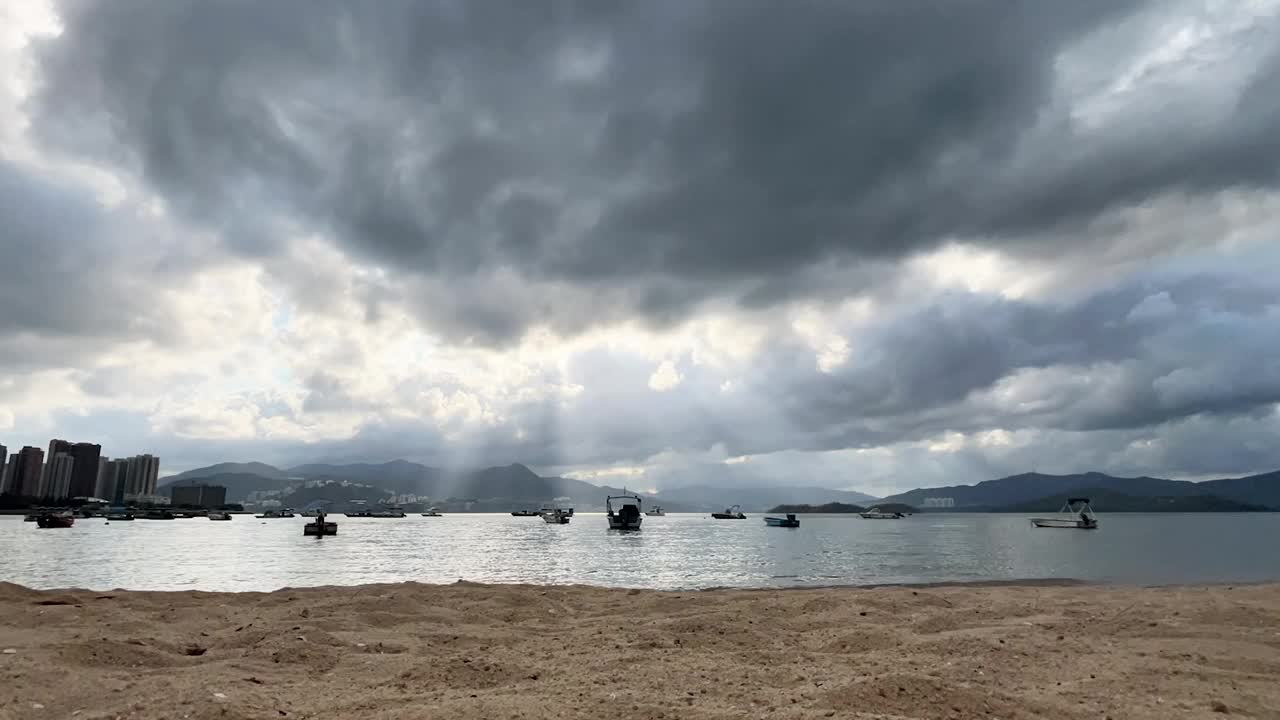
(790, 521)
(657, 511)
(627, 516)
(55, 520)
(1076, 515)
(732, 513)
(876, 514)
(319, 527)
(555, 516)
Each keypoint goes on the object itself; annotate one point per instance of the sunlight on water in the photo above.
(676, 551)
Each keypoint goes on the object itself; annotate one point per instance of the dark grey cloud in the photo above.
(75, 275)
(649, 156)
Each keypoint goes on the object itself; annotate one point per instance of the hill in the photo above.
(229, 468)
(1255, 489)
(757, 499)
(1030, 487)
(831, 508)
(1103, 500)
(238, 485)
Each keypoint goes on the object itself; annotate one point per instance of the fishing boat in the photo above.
(275, 514)
(876, 513)
(657, 511)
(730, 513)
(219, 515)
(55, 520)
(524, 513)
(628, 515)
(555, 516)
(790, 521)
(1076, 515)
(432, 512)
(320, 527)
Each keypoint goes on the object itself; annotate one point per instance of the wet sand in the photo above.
(481, 651)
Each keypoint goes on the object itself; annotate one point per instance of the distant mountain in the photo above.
(1261, 490)
(1255, 489)
(249, 468)
(1103, 500)
(830, 508)
(757, 499)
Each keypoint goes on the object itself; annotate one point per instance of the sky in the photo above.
(866, 245)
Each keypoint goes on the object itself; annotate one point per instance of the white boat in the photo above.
(627, 516)
(1076, 515)
(657, 511)
(219, 515)
(876, 514)
(273, 514)
(432, 512)
(555, 516)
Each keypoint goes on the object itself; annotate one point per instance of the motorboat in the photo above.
(525, 513)
(876, 513)
(433, 512)
(319, 527)
(657, 511)
(275, 514)
(158, 514)
(730, 513)
(628, 515)
(55, 520)
(1075, 514)
(118, 514)
(219, 515)
(568, 512)
(790, 521)
(555, 516)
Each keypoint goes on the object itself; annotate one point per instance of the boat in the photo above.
(876, 513)
(219, 515)
(1076, 515)
(433, 512)
(790, 521)
(30, 517)
(273, 514)
(157, 515)
(657, 511)
(55, 520)
(568, 512)
(320, 527)
(118, 514)
(525, 513)
(555, 516)
(731, 513)
(627, 516)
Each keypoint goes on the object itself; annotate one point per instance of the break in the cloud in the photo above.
(860, 244)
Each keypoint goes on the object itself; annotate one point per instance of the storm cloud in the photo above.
(624, 235)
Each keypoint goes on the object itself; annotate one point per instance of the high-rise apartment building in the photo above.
(27, 466)
(58, 477)
(6, 470)
(114, 480)
(142, 474)
(84, 477)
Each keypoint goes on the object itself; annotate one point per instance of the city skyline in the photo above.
(873, 244)
(76, 470)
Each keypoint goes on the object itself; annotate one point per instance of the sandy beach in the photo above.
(481, 651)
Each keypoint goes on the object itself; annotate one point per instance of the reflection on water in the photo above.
(676, 551)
